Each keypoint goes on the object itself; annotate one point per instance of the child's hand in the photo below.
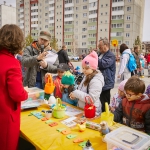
(46, 76)
(112, 109)
(72, 96)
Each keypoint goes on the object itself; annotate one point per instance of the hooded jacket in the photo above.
(63, 56)
(123, 70)
(94, 88)
(135, 114)
(29, 60)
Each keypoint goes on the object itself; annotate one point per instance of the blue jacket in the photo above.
(107, 65)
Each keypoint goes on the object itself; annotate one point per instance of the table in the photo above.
(44, 137)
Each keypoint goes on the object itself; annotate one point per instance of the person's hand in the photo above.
(46, 76)
(48, 48)
(112, 109)
(72, 96)
(42, 55)
(43, 63)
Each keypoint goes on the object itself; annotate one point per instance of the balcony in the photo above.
(51, 8)
(69, 5)
(51, 21)
(115, 4)
(93, 16)
(69, 12)
(119, 12)
(68, 19)
(34, 19)
(34, 25)
(34, 13)
(21, 16)
(51, 2)
(21, 10)
(34, 7)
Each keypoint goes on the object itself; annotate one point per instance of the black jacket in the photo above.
(63, 56)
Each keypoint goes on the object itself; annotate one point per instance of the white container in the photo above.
(52, 100)
(127, 138)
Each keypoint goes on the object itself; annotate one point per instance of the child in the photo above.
(148, 90)
(61, 68)
(148, 67)
(117, 98)
(142, 62)
(92, 83)
(68, 86)
(134, 110)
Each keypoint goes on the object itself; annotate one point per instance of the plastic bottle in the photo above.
(88, 146)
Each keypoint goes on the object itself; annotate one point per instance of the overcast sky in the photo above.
(146, 27)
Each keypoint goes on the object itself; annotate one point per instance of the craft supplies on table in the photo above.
(93, 125)
(125, 138)
(89, 109)
(59, 109)
(35, 97)
(107, 116)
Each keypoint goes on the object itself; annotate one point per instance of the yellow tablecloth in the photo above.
(44, 137)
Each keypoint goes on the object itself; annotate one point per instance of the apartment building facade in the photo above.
(7, 14)
(81, 23)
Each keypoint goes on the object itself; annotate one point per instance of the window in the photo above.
(101, 13)
(84, 22)
(92, 19)
(69, 50)
(117, 17)
(84, 0)
(105, 29)
(68, 15)
(128, 17)
(84, 7)
(127, 34)
(68, 8)
(83, 43)
(92, 35)
(101, 5)
(117, 8)
(129, 0)
(77, 1)
(84, 29)
(105, 13)
(93, 4)
(68, 22)
(68, 1)
(76, 15)
(118, 33)
(46, 26)
(76, 8)
(106, 5)
(127, 42)
(84, 14)
(127, 25)
(83, 36)
(92, 12)
(128, 8)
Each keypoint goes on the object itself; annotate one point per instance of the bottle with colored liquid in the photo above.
(88, 146)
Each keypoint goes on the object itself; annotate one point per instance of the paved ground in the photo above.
(114, 90)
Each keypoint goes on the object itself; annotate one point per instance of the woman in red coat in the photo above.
(11, 88)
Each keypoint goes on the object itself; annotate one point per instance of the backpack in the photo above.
(131, 63)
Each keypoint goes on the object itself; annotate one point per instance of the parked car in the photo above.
(75, 58)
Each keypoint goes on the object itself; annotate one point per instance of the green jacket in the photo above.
(29, 60)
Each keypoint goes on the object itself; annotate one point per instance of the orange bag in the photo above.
(49, 86)
(89, 109)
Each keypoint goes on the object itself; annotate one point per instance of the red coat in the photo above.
(148, 58)
(11, 95)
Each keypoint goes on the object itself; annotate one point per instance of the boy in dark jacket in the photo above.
(134, 110)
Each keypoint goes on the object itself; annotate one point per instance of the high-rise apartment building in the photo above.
(81, 23)
(7, 14)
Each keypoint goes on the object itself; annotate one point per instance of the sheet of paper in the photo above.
(70, 111)
(69, 122)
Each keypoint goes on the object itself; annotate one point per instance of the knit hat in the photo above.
(68, 78)
(45, 35)
(122, 84)
(91, 60)
(63, 67)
